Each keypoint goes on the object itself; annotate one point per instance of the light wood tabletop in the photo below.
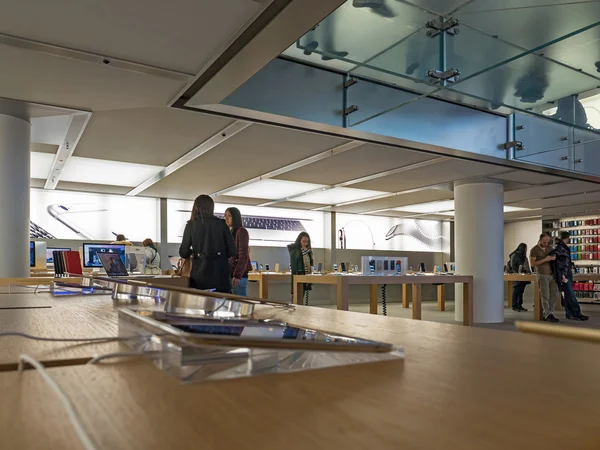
(265, 278)
(450, 392)
(342, 282)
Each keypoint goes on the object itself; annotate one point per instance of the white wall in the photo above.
(517, 232)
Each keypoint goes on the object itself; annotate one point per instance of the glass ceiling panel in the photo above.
(581, 51)
(440, 7)
(530, 27)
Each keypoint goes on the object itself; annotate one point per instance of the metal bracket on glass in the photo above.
(451, 75)
(350, 82)
(350, 109)
(517, 145)
(564, 158)
(438, 26)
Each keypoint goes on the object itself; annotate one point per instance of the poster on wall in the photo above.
(361, 232)
(267, 227)
(91, 217)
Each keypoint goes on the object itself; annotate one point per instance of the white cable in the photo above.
(99, 358)
(101, 339)
(71, 411)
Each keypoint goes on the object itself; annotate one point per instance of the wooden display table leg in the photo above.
(373, 299)
(441, 297)
(405, 300)
(298, 292)
(416, 301)
(342, 293)
(468, 303)
(263, 288)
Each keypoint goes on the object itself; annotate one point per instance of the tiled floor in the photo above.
(429, 312)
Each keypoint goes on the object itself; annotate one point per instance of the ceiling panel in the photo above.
(99, 188)
(524, 176)
(43, 148)
(38, 77)
(250, 153)
(298, 205)
(564, 200)
(552, 190)
(230, 200)
(155, 136)
(361, 161)
(180, 34)
(429, 195)
(449, 170)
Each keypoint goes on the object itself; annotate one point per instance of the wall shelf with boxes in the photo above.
(585, 237)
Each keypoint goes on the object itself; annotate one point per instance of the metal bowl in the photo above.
(131, 292)
(198, 305)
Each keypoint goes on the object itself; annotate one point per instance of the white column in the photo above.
(14, 196)
(479, 247)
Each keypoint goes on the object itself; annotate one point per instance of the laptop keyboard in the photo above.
(37, 232)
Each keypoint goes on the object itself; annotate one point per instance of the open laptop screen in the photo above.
(113, 264)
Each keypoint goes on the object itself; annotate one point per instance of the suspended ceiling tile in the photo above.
(256, 150)
(179, 35)
(298, 205)
(155, 136)
(449, 170)
(563, 200)
(429, 195)
(97, 188)
(361, 161)
(43, 148)
(527, 177)
(229, 200)
(37, 77)
(553, 190)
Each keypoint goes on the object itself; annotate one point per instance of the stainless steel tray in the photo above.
(198, 305)
(131, 292)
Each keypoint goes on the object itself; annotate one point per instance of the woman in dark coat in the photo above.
(519, 264)
(208, 240)
(301, 259)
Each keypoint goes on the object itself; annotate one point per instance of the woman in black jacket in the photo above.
(208, 239)
(301, 259)
(518, 263)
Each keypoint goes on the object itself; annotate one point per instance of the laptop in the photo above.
(114, 266)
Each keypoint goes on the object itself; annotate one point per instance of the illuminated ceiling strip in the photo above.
(296, 165)
(209, 144)
(361, 180)
(67, 148)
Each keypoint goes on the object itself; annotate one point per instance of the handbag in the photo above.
(184, 268)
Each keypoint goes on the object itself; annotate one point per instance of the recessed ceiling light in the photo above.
(272, 189)
(337, 195)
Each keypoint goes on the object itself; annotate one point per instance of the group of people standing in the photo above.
(220, 249)
(554, 272)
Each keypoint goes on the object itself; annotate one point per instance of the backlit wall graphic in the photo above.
(361, 232)
(268, 227)
(78, 215)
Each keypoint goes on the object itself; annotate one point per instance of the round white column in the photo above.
(14, 196)
(479, 248)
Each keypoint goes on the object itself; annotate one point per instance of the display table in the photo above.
(265, 278)
(449, 393)
(510, 278)
(343, 281)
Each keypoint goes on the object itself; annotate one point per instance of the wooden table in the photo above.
(449, 393)
(538, 314)
(343, 281)
(264, 278)
(33, 281)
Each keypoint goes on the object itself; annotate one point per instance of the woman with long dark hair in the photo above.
(239, 264)
(519, 263)
(208, 240)
(301, 259)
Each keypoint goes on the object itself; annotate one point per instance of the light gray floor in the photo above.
(429, 312)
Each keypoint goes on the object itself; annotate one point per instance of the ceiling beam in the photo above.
(76, 128)
(206, 146)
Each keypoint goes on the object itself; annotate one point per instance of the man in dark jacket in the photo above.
(563, 274)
